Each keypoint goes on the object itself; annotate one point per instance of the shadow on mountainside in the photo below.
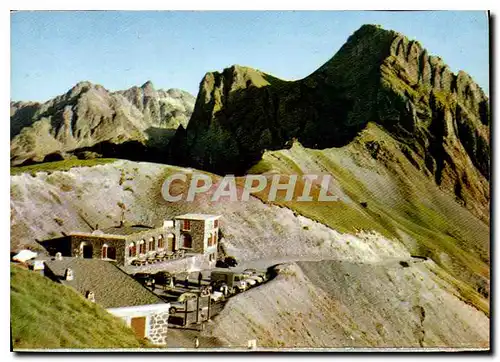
(152, 150)
(256, 119)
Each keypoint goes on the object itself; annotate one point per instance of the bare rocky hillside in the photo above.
(338, 304)
(340, 289)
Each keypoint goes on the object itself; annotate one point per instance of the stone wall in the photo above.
(146, 236)
(121, 244)
(158, 328)
(97, 243)
(200, 231)
(197, 232)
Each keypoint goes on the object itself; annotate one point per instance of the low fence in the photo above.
(195, 311)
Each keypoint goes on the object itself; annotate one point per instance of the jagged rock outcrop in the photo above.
(441, 120)
(89, 117)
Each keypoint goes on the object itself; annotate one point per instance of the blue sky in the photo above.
(52, 51)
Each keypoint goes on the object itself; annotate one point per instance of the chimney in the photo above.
(58, 256)
(68, 274)
(121, 223)
(96, 227)
(90, 296)
(39, 265)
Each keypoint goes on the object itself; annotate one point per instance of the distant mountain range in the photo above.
(89, 121)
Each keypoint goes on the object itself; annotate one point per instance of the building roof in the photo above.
(99, 234)
(116, 232)
(197, 217)
(126, 230)
(112, 287)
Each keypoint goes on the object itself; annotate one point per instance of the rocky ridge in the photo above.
(440, 120)
(89, 115)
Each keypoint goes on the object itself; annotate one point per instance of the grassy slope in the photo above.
(59, 165)
(49, 315)
(401, 204)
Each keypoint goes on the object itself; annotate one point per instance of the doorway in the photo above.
(111, 253)
(138, 325)
(87, 251)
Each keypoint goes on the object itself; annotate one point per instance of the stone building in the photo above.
(198, 233)
(107, 285)
(124, 244)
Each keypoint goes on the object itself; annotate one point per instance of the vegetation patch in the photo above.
(59, 165)
(427, 223)
(46, 315)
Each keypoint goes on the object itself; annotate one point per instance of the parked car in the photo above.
(220, 286)
(221, 264)
(162, 278)
(239, 287)
(261, 276)
(144, 278)
(255, 278)
(186, 296)
(177, 307)
(180, 304)
(250, 281)
(227, 262)
(231, 261)
(217, 296)
(234, 281)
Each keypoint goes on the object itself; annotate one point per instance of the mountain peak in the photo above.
(148, 85)
(82, 87)
(83, 84)
(378, 76)
(366, 29)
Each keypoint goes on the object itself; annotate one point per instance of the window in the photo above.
(171, 242)
(161, 242)
(212, 239)
(131, 250)
(188, 242)
(86, 250)
(216, 223)
(111, 253)
(142, 247)
(151, 244)
(104, 253)
(186, 225)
